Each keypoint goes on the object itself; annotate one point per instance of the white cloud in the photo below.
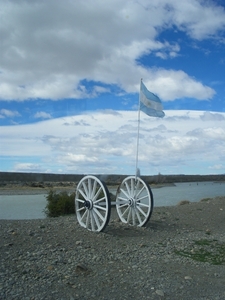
(42, 115)
(170, 85)
(8, 113)
(209, 116)
(217, 167)
(27, 167)
(71, 159)
(181, 142)
(200, 20)
(213, 132)
(48, 47)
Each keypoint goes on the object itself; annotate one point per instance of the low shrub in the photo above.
(59, 204)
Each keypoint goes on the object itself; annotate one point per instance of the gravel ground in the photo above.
(57, 259)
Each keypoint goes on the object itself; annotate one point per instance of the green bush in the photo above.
(59, 204)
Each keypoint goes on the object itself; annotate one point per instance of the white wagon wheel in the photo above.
(92, 203)
(134, 201)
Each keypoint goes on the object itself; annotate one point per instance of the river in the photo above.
(32, 206)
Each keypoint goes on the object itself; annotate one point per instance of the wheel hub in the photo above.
(132, 202)
(88, 204)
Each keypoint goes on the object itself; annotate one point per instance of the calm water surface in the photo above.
(32, 206)
(192, 191)
(22, 207)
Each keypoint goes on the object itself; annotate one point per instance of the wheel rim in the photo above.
(134, 201)
(92, 203)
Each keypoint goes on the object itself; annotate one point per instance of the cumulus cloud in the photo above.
(197, 19)
(42, 115)
(209, 116)
(187, 145)
(8, 113)
(171, 85)
(217, 167)
(27, 167)
(213, 132)
(49, 47)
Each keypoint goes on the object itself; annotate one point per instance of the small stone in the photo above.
(8, 245)
(134, 267)
(81, 268)
(183, 202)
(143, 245)
(160, 293)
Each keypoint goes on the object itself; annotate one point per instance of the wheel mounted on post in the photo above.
(134, 201)
(92, 203)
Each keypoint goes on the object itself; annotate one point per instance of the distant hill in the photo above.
(6, 177)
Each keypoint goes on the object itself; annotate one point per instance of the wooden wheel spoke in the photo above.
(92, 203)
(140, 191)
(92, 221)
(142, 204)
(80, 209)
(133, 216)
(95, 215)
(128, 188)
(80, 200)
(100, 207)
(143, 213)
(126, 194)
(85, 188)
(99, 200)
(93, 190)
(88, 218)
(124, 213)
(99, 214)
(124, 200)
(129, 215)
(84, 215)
(82, 194)
(134, 201)
(122, 205)
(142, 198)
(97, 194)
(138, 216)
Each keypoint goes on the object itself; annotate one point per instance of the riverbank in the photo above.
(57, 259)
(36, 188)
(110, 179)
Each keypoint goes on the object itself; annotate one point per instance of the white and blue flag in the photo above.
(150, 103)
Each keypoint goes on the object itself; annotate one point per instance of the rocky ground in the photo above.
(180, 254)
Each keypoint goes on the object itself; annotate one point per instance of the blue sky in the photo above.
(84, 61)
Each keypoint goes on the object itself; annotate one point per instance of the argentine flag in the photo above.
(150, 103)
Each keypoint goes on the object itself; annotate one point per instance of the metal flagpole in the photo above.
(137, 171)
